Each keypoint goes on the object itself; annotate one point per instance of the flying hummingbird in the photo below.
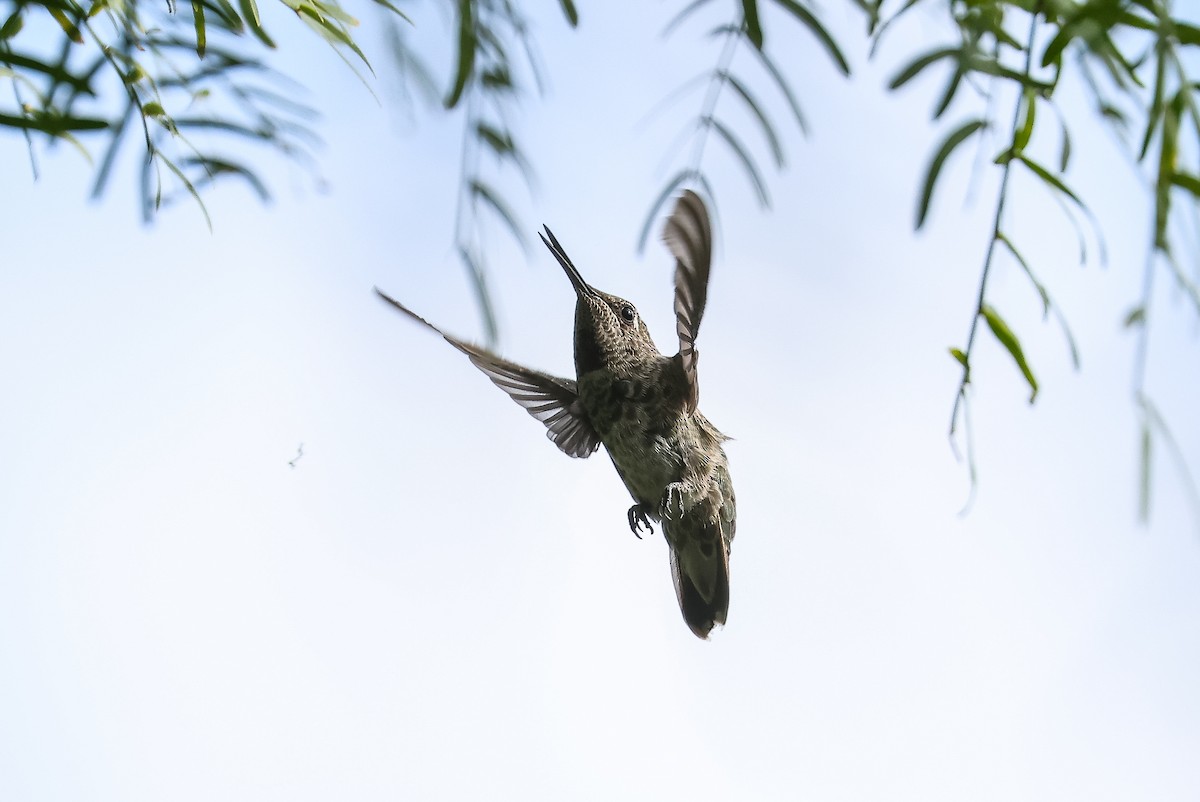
(641, 406)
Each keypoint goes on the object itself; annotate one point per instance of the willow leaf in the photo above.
(1009, 340)
(956, 138)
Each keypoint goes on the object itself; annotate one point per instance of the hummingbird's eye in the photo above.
(627, 313)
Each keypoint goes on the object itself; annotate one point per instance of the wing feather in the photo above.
(688, 235)
(551, 400)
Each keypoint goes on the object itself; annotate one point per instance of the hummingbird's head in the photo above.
(608, 330)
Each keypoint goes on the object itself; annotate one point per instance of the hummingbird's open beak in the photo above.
(581, 287)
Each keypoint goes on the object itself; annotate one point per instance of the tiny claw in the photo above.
(638, 519)
(674, 493)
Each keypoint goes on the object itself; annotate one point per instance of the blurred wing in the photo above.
(688, 235)
(551, 400)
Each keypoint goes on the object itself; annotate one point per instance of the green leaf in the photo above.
(1065, 156)
(1156, 105)
(215, 168)
(768, 130)
(198, 18)
(956, 138)
(951, 90)
(53, 124)
(915, 67)
(784, 89)
(1152, 420)
(482, 296)
(395, 11)
(481, 190)
(64, 22)
(12, 26)
(753, 27)
(1136, 317)
(1188, 181)
(1167, 159)
(961, 358)
(683, 14)
(743, 155)
(467, 43)
(1028, 114)
(56, 71)
(1011, 344)
(250, 12)
(1187, 34)
(1041, 289)
(570, 12)
(1047, 305)
(1045, 175)
(818, 30)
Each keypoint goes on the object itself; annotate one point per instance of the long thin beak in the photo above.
(581, 286)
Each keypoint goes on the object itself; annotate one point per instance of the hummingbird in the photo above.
(642, 407)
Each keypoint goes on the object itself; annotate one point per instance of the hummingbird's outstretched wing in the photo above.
(551, 400)
(688, 235)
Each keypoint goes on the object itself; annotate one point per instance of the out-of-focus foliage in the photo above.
(174, 76)
(1132, 57)
(488, 82)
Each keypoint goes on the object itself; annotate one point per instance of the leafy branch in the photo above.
(746, 30)
(487, 86)
(1095, 34)
(186, 83)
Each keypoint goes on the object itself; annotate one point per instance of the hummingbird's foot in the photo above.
(673, 497)
(638, 519)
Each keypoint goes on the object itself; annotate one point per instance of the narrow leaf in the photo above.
(54, 125)
(743, 155)
(198, 18)
(1188, 181)
(489, 196)
(683, 14)
(768, 130)
(1041, 290)
(951, 142)
(1029, 113)
(570, 12)
(753, 27)
(1050, 179)
(482, 296)
(1011, 344)
(67, 25)
(11, 27)
(1156, 105)
(250, 12)
(960, 357)
(466, 53)
(818, 30)
(784, 89)
(913, 69)
(1065, 156)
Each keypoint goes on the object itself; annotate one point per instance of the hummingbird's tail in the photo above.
(700, 569)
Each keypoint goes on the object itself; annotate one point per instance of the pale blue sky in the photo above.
(437, 604)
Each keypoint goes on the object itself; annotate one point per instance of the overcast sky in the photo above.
(435, 603)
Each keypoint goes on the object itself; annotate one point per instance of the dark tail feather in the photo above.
(701, 615)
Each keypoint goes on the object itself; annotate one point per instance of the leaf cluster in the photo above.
(189, 81)
(1129, 56)
(746, 33)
